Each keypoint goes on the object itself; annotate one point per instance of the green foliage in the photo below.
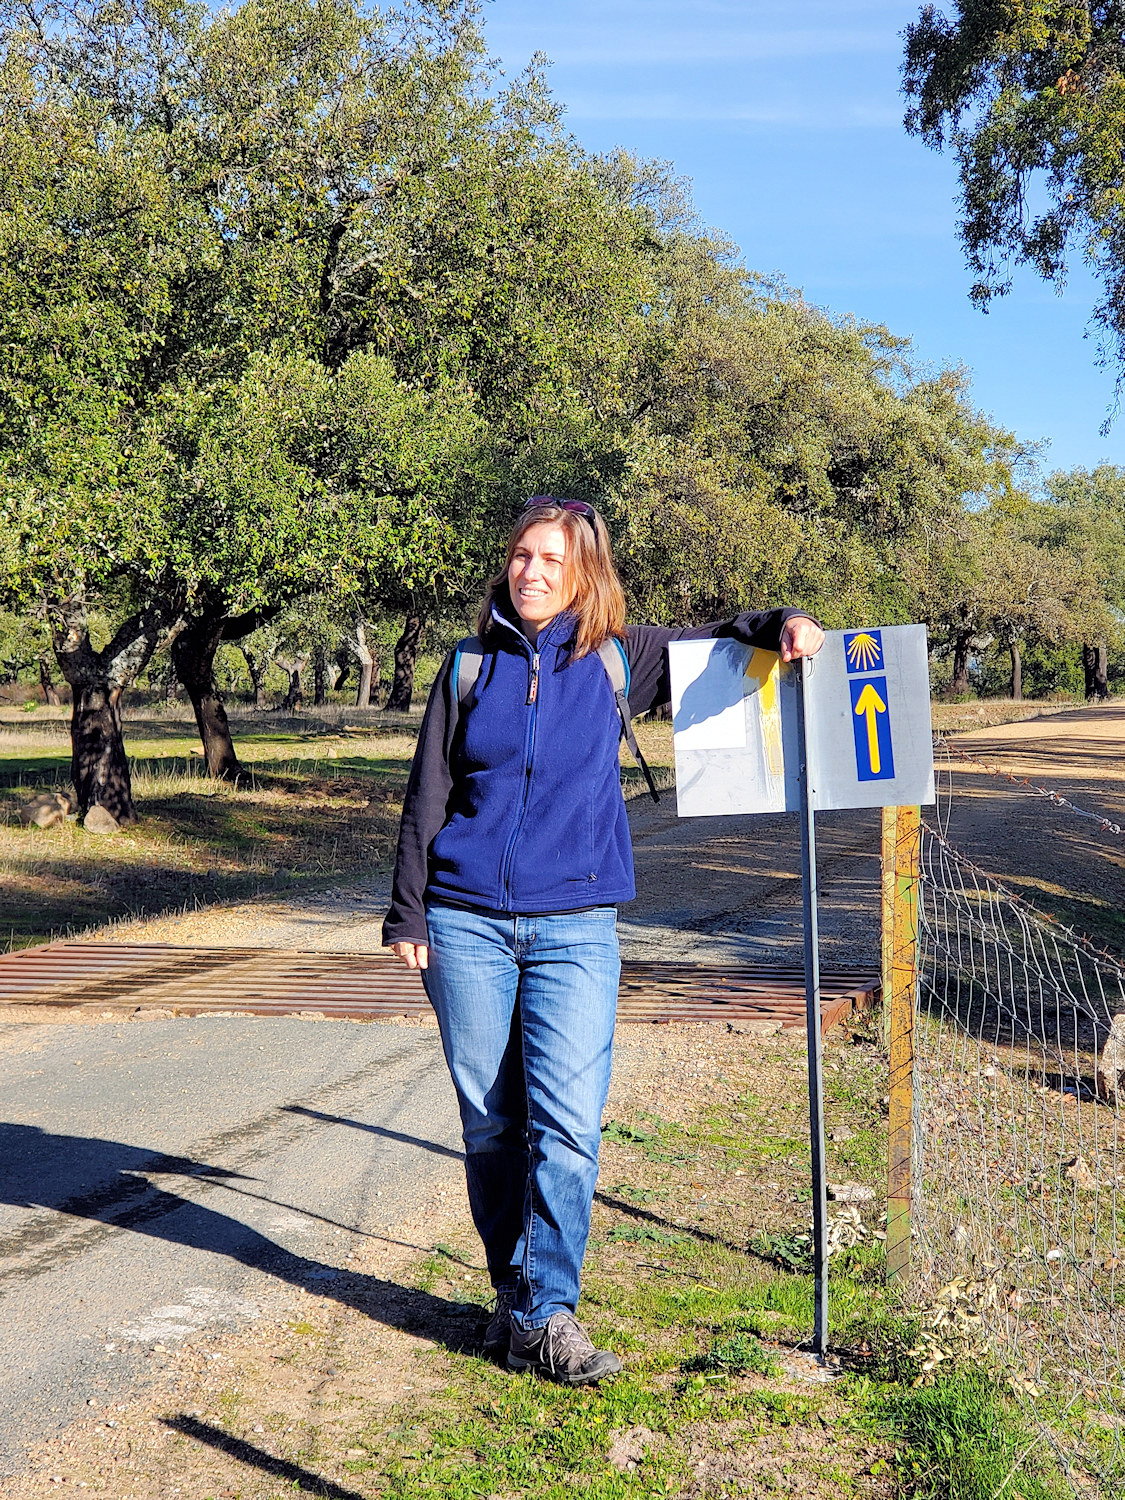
(1049, 671)
(299, 296)
(791, 1250)
(22, 642)
(640, 1234)
(1030, 96)
(614, 1130)
(304, 298)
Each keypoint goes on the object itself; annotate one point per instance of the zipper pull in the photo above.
(533, 685)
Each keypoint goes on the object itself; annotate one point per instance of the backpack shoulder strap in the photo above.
(468, 658)
(612, 655)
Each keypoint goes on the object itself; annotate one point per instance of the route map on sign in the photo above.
(869, 732)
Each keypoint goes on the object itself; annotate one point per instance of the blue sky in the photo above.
(788, 120)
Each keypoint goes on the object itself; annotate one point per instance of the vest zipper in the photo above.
(533, 683)
(529, 756)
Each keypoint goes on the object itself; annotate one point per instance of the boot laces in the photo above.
(565, 1335)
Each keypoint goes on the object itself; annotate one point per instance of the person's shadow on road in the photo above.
(107, 1184)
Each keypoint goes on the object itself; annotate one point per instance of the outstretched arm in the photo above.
(791, 632)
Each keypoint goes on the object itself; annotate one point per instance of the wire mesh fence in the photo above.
(1019, 1160)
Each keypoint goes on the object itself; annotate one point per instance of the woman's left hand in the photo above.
(800, 636)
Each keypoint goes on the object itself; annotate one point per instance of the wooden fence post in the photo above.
(887, 908)
(900, 1004)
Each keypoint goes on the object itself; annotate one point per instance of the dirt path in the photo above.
(1064, 863)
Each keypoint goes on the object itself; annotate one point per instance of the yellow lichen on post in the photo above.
(900, 1004)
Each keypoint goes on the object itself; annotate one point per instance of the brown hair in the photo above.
(598, 604)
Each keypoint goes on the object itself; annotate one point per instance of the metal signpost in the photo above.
(812, 1019)
(848, 728)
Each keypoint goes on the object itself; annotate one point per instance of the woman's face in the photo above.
(537, 576)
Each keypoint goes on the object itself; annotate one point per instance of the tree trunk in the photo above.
(257, 666)
(99, 767)
(343, 664)
(1017, 670)
(366, 662)
(193, 657)
(962, 647)
(1094, 669)
(320, 677)
(98, 679)
(1101, 673)
(50, 691)
(291, 703)
(406, 656)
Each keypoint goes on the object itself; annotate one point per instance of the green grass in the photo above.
(964, 1439)
(682, 1280)
(735, 1354)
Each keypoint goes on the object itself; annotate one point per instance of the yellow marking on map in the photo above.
(872, 705)
(764, 670)
(864, 652)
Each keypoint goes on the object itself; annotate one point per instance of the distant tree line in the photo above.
(298, 302)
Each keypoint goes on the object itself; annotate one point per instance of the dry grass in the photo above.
(986, 713)
(313, 808)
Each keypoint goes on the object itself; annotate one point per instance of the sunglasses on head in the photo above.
(579, 507)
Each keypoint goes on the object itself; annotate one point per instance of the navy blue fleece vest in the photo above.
(537, 820)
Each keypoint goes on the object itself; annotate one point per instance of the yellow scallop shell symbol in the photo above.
(864, 652)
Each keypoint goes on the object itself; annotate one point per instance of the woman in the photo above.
(513, 853)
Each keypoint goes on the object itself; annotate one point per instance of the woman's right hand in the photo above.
(413, 955)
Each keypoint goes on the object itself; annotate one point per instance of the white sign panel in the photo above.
(868, 720)
(734, 729)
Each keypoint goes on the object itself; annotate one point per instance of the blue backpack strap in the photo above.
(612, 656)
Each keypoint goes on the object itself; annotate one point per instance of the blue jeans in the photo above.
(526, 1008)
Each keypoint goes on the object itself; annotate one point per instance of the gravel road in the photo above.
(169, 1178)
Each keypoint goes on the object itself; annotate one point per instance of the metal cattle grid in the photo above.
(72, 980)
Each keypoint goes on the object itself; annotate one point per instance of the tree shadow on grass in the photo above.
(693, 1231)
(106, 1184)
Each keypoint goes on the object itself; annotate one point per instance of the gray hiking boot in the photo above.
(561, 1350)
(499, 1330)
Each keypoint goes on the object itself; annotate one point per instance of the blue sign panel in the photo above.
(871, 726)
(863, 651)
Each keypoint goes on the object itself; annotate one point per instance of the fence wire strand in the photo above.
(1019, 1159)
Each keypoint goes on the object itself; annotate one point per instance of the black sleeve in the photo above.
(425, 810)
(649, 684)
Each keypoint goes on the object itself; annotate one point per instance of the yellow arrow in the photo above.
(872, 705)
